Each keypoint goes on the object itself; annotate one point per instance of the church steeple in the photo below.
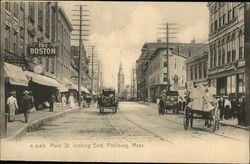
(120, 81)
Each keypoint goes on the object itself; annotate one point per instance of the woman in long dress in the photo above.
(71, 101)
(64, 101)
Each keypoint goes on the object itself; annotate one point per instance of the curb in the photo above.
(221, 123)
(38, 123)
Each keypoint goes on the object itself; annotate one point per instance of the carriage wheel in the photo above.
(186, 122)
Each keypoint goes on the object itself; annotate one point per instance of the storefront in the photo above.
(42, 88)
(15, 80)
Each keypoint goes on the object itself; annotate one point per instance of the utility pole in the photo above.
(167, 27)
(80, 30)
(98, 76)
(92, 72)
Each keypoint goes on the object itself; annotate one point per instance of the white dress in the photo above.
(71, 102)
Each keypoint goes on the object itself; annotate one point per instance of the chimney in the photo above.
(193, 41)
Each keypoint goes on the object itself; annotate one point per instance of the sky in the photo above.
(119, 29)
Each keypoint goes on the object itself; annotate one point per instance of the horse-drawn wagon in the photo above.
(108, 100)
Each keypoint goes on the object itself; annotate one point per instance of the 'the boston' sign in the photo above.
(42, 49)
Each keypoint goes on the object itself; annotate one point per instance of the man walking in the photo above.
(12, 103)
(51, 102)
(27, 104)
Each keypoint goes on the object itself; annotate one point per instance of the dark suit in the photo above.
(51, 102)
(27, 104)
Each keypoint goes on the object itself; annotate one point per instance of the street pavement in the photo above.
(135, 133)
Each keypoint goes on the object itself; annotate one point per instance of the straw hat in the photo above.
(12, 92)
(26, 92)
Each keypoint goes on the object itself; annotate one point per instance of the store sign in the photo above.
(14, 59)
(39, 69)
(42, 49)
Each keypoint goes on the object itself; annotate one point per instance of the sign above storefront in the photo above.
(42, 50)
(39, 69)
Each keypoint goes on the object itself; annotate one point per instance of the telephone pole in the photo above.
(80, 24)
(168, 30)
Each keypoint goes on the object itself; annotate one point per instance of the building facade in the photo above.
(179, 52)
(42, 22)
(196, 69)
(226, 60)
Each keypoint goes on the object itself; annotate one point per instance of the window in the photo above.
(195, 72)
(223, 56)
(215, 24)
(7, 6)
(234, 12)
(200, 71)
(191, 72)
(224, 19)
(220, 22)
(204, 69)
(228, 56)
(229, 16)
(212, 26)
(165, 77)
(233, 55)
(211, 58)
(189, 53)
(40, 15)
(241, 41)
(15, 12)
(215, 57)
(32, 11)
(219, 57)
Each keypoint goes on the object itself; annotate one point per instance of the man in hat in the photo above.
(12, 103)
(27, 104)
(51, 102)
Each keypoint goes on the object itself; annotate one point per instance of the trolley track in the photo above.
(200, 129)
(148, 131)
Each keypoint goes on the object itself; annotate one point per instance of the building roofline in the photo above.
(66, 18)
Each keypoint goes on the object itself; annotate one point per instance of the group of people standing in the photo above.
(230, 109)
(27, 104)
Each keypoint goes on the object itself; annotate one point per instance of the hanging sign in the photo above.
(42, 49)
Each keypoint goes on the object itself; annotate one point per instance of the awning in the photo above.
(62, 88)
(15, 75)
(84, 89)
(43, 80)
(72, 86)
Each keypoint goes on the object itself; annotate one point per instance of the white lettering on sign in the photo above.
(42, 51)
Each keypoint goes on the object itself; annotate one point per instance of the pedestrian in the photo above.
(227, 107)
(161, 106)
(51, 102)
(12, 104)
(180, 102)
(241, 111)
(71, 101)
(220, 106)
(64, 101)
(27, 104)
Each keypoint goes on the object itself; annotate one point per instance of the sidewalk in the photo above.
(229, 122)
(19, 127)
